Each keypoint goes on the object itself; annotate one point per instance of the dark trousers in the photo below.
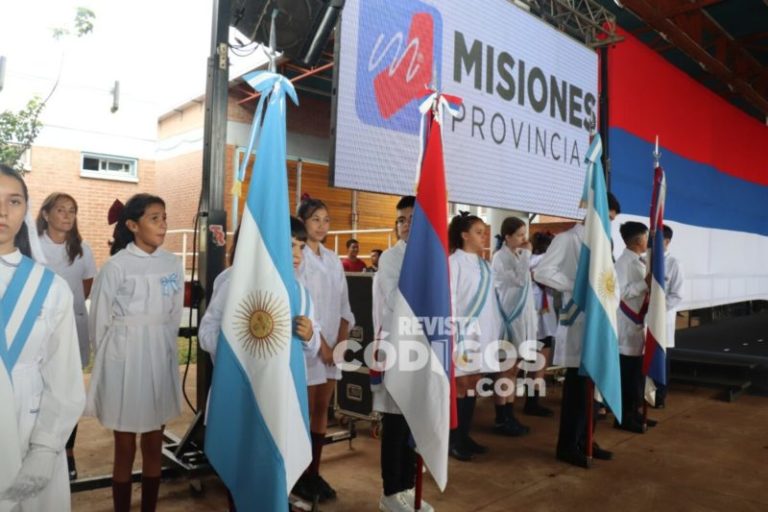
(573, 413)
(398, 459)
(632, 386)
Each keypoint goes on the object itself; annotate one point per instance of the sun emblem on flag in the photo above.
(263, 324)
(607, 285)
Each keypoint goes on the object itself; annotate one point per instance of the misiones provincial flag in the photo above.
(596, 292)
(655, 357)
(426, 394)
(257, 435)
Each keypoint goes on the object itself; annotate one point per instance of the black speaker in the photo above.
(303, 26)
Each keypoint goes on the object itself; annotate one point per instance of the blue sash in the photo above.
(512, 316)
(10, 352)
(569, 313)
(477, 303)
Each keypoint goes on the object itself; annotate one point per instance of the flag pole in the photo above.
(592, 127)
(656, 163)
(419, 482)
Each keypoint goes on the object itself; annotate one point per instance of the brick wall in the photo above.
(58, 170)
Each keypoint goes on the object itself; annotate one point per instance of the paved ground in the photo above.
(705, 455)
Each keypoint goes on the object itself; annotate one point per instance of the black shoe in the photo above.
(600, 453)
(326, 491)
(574, 457)
(525, 428)
(659, 404)
(650, 422)
(306, 488)
(630, 426)
(71, 467)
(510, 429)
(475, 447)
(458, 452)
(536, 409)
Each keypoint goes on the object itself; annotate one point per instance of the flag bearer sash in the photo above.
(20, 306)
(477, 303)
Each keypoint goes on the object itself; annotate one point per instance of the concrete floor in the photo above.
(705, 455)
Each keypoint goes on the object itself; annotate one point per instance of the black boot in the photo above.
(459, 447)
(515, 425)
(533, 407)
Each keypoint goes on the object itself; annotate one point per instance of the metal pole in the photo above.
(604, 119)
(212, 213)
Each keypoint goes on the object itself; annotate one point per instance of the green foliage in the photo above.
(83, 24)
(84, 21)
(18, 131)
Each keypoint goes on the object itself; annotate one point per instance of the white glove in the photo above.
(35, 473)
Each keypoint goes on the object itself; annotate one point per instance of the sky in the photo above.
(157, 49)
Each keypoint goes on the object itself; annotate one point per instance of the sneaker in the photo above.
(410, 499)
(394, 503)
(71, 467)
(326, 491)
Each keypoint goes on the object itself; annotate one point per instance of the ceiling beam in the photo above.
(686, 7)
(688, 35)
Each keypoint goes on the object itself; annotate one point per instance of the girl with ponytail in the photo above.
(135, 313)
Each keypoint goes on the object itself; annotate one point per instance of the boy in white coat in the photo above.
(673, 275)
(631, 273)
(557, 269)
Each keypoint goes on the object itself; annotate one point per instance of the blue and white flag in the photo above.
(257, 436)
(596, 291)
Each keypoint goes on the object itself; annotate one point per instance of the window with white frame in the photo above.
(109, 167)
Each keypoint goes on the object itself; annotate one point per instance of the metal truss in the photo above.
(585, 20)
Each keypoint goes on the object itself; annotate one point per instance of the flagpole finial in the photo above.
(656, 154)
(272, 50)
(591, 125)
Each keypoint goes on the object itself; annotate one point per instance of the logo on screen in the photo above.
(398, 50)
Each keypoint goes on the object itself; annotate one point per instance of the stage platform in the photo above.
(730, 353)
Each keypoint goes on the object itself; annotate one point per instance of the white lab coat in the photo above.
(512, 276)
(44, 396)
(210, 325)
(547, 325)
(324, 277)
(673, 275)
(74, 273)
(485, 329)
(385, 283)
(136, 308)
(630, 272)
(557, 269)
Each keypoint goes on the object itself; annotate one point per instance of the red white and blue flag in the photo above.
(655, 360)
(425, 394)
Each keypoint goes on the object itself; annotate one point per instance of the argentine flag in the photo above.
(257, 437)
(596, 291)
